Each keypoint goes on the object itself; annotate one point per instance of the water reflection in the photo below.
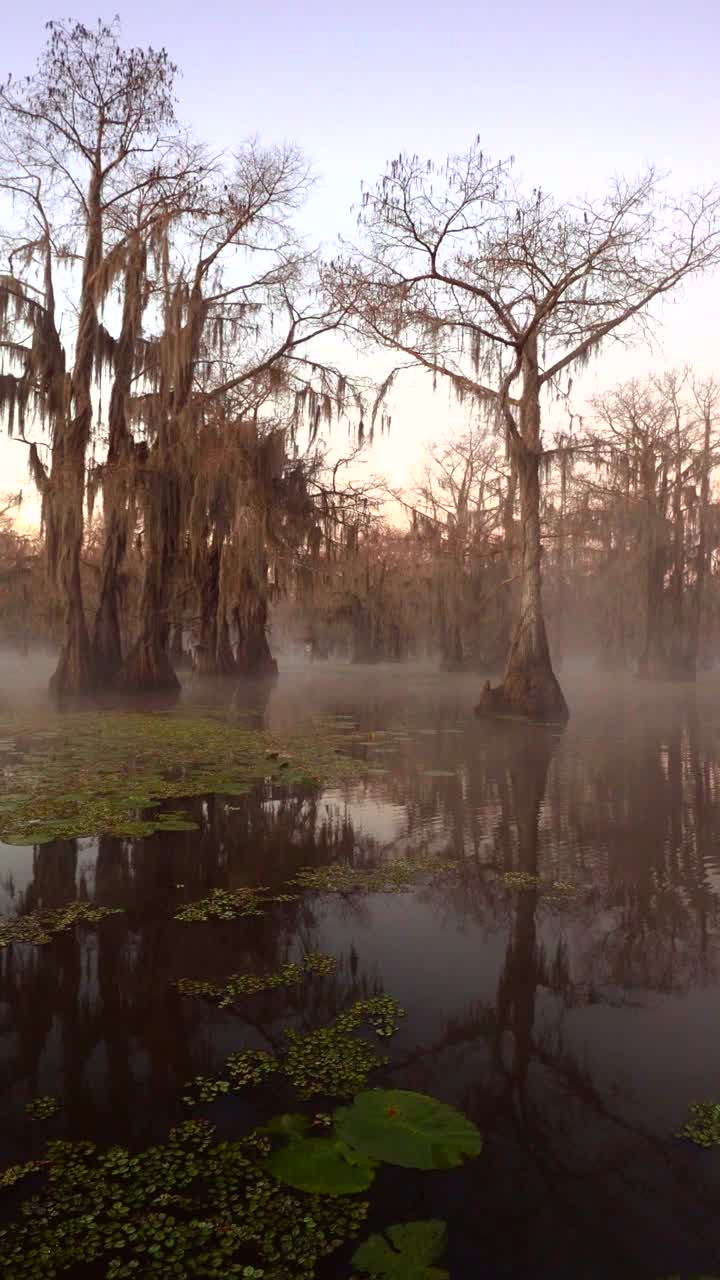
(575, 1028)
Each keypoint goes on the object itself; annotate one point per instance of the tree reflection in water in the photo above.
(572, 1028)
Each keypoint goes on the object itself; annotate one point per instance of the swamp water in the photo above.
(555, 949)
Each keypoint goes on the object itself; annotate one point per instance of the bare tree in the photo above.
(463, 492)
(506, 294)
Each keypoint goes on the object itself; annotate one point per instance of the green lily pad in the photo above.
(414, 1247)
(408, 1129)
(438, 773)
(289, 1125)
(320, 1166)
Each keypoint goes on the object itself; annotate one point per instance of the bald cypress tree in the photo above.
(75, 142)
(506, 294)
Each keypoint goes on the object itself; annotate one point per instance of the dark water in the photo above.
(575, 1034)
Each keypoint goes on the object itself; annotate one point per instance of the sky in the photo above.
(575, 92)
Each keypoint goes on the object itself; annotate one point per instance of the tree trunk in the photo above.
(559, 645)
(529, 685)
(653, 661)
(677, 647)
(107, 642)
(253, 656)
(226, 662)
(66, 490)
(701, 557)
(74, 672)
(209, 592)
(147, 666)
(453, 655)
(177, 650)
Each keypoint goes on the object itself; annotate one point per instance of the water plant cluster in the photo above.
(327, 1061)
(703, 1125)
(392, 877)
(525, 881)
(228, 904)
(98, 772)
(42, 1108)
(271, 1205)
(191, 1206)
(247, 984)
(40, 927)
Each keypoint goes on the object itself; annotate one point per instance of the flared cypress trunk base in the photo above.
(532, 691)
(106, 644)
(253, 657)
(75, 672)
(259, 667)
(146, 669)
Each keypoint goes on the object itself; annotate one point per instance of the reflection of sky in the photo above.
(627, 967)
(576, 93)
(17, 869)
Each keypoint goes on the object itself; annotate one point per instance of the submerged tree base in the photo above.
(146, 669)
(532, 692)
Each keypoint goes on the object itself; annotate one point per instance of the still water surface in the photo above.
(574, 1032)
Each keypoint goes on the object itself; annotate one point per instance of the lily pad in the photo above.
(321, 1166)
(408, 1129)
(414, 1247)
(289, 1124)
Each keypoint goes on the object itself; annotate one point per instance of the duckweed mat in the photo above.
(98, 772)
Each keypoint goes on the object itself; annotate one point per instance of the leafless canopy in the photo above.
(460, 269)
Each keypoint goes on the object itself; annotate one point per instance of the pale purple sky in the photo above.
(576, 92)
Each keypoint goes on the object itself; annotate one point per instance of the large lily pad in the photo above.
(413, 1249)
(408, 1129)
(321, 1166)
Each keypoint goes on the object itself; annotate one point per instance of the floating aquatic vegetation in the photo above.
(243, 1069)
(382, 1013)
(397, 1127)
(42, 1108)
(207, 1089)
(703, 1126)
(329, 1060)
(84, 773)
(247, 984)
(410, 1129)
(392, 877)
(406, 1252)
(523, 881)
(250, 1066)
(39, 927)
(192, 1206)
(16, 1172)
(322, 1166)
(227, 904)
